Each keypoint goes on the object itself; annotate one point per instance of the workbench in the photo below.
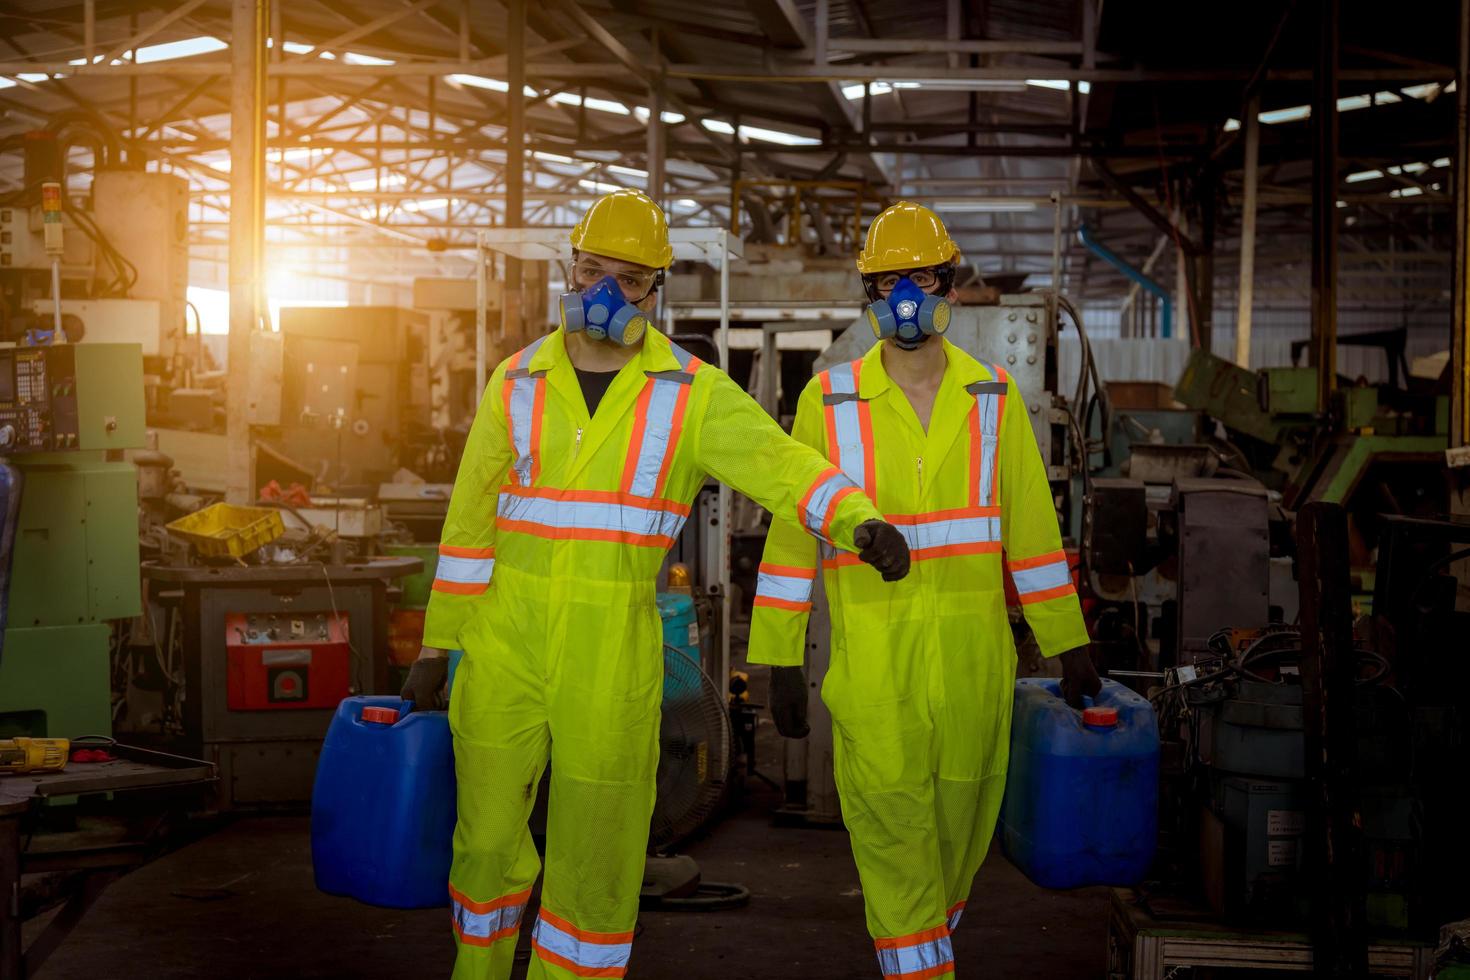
(75, 868)
(1148, 943)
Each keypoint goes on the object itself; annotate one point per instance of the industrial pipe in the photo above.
(1113, 259)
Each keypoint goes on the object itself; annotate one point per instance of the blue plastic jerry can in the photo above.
(382, 810)
(1082, 791)
(681, 632)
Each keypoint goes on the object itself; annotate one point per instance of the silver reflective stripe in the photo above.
(470, 571)
(843, 404)
(987, 402)
(787, 587)
(954, 916)
(956, 531)
(483, 925)
(681, 355)
(1042, 577)
(590, 956)
(523, 408)
(658, 429)
(590, 516)
(821, 501)
(915, 958)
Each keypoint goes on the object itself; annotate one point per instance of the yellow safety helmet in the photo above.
(906, 236)
(626, 225)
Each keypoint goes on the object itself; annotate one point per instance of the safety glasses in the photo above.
(635, 285)
(885, 281)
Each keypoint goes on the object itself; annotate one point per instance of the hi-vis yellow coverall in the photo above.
(922, 670)
(555, 534)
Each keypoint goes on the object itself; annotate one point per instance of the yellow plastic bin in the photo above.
(227, 529)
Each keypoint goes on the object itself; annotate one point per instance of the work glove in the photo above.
(424, 688)
(788, 701)
(1079, 677)
(880, 545)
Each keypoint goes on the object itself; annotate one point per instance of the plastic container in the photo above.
(1082, 793)
(681, 623)
(417, 587)
(681, 631)
(382, 810)
(228, 529)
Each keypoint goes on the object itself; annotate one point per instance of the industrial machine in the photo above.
(350, 412)
(66, 414)
(256, 659)
(1377, 450)
(120, 271)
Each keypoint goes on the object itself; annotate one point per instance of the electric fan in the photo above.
(693, 766)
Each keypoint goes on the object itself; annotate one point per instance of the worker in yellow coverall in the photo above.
(582, 463)
(921, 673)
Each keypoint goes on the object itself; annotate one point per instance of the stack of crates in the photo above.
(406, 618)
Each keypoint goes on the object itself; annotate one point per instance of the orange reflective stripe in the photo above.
(460, 588)
(788, 604)
(584, 935)
(955, 550)
(455, 551)
(912, 939)
(1018, 564)
(837, 498)
(870, 454)
(635, 443)
(954, 513)
(480, 908)
(791, 570)
(834, 451)
(1027, 598)
(585, 534)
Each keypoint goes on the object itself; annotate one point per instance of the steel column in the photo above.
(1248, 233)
(1334, 860)
(1324, 205)
(515, 163)
(247, 231)
(1460, 314)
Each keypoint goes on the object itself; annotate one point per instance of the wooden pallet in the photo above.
(1144, 947)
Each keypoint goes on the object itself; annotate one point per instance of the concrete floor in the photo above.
(240, 904)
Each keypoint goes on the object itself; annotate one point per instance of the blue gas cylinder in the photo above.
(382, 810)
(1082, 792)
(681, 631)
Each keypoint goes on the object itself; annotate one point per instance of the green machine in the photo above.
(66, 414)
(1379, 449)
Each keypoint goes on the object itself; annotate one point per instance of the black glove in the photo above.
(1079, 677)
(424, 688)
(788, 701)
(880, 545)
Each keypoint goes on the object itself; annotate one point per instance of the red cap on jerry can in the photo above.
(380, 716)
(1091, 717)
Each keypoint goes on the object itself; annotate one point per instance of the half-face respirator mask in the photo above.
(908, 314)
(604, 313)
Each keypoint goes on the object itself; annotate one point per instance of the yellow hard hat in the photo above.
(906, 236)
(626, 225)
